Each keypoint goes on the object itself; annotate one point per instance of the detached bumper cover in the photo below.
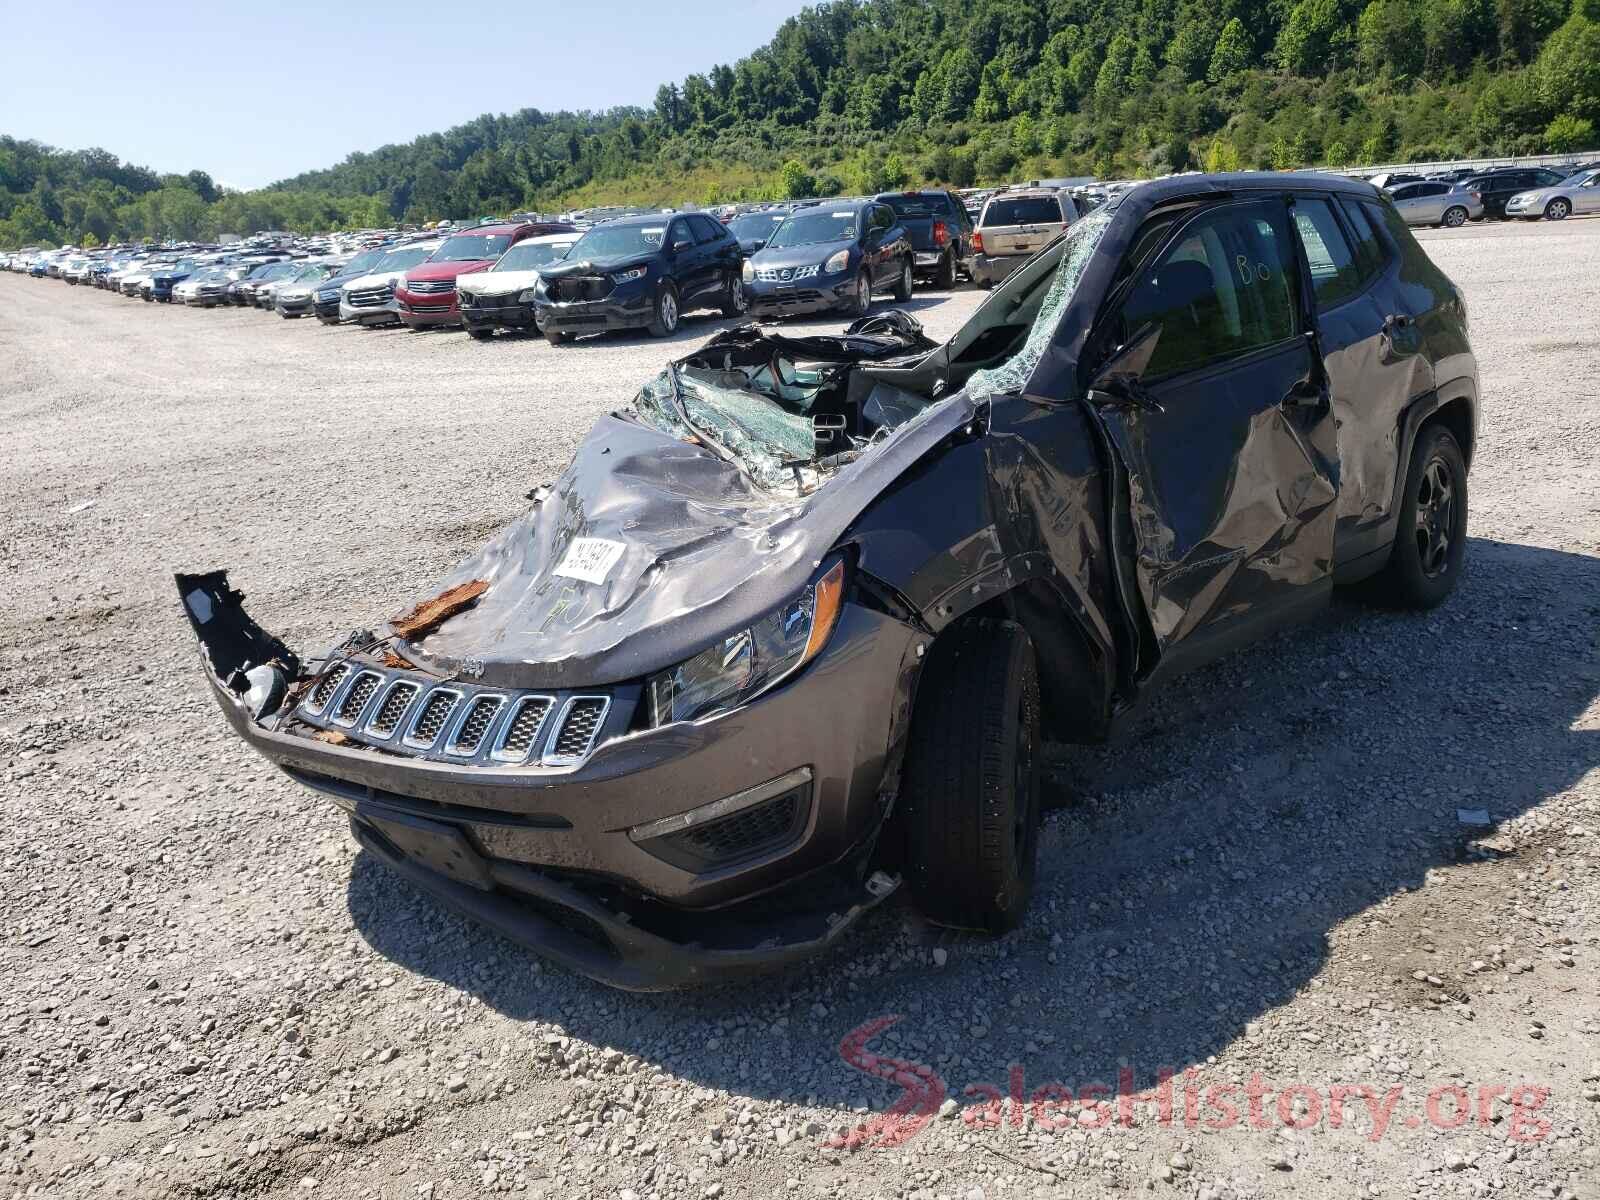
(498, 312)
(625, 308)
(546, 851)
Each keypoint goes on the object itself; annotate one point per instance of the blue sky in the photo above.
(256, 92)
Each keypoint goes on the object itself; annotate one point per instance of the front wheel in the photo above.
(1430, 543)
(860, 302)
(1454, 217)
(970, 794)
(664, 322)
(734, 300)
(902, 289)
(554, 336)
(1558, 209)
(480, 335)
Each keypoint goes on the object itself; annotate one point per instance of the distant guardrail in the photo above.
(1474, 164)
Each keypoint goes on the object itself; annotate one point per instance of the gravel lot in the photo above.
(210, 992)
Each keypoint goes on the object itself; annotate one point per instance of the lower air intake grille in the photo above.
(480, 715)
(765, 826)
(580, 723)
(524, 729)
(430, 721)
(355, 700)
(393, 708)
(326, 687)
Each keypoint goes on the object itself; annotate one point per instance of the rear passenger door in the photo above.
(1226, 436)
(1369, 383)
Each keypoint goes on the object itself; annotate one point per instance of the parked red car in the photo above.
(427, 294)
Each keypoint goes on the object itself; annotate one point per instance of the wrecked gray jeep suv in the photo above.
(790, 632)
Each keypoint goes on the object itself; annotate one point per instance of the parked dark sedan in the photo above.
(1496, 187)
(325, 302)
(640, 273)
(791, 632)
(835, 255)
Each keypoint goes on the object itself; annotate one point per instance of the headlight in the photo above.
(747, 663)
(526, 295)
(629, 275)
(748, 271)
(837, 263)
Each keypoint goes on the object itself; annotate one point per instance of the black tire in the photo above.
(1454, 217)
(903, 288)
(970, 792)
(860, 302)
(554, 336)
(664, 317)
(480, 335)
(1421, 571)
(1558, 209)
(945, 277)
(735, 303)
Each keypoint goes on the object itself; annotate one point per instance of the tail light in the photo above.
(941, 235)
(977, 241)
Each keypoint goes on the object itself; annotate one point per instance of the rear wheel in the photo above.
(902, 289)
(554, 336)
(970, 794)
(480, 335)
(664, 321)
(945, 278)
(1558, 209)
(1454, 217)
(1430, 543)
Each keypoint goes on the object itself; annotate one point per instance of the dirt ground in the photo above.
(1266, 889)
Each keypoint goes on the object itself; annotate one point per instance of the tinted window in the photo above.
(706, 230)
(1335, 275)
(1434, 189)
(679, 232)
(756, 226)
(921, 204)
(468, 246)
(1371, 253)
(882, 217)
(1023, 210)
(1542, 178)
(1225, 288)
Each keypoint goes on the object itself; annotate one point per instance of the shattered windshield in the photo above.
(1077, 250)
(765, 438)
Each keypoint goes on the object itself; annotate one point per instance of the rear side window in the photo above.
(1335, 274)
(1023, 210)
(706, 229)
(1225, 288)
(1372, 255)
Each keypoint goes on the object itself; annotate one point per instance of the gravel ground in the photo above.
(211, 992)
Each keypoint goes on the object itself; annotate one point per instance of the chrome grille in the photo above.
(469, 736)
(430, 720)
(580, 724)
(431, 287)
(356, 697)
(326, 687)
(785, 274)
(387, 718)
(369, 297)
(523, 729)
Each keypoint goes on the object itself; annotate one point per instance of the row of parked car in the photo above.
(637, 271)
(1453, 198)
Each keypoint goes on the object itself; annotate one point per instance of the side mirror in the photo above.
(758, 245)
(677, 246)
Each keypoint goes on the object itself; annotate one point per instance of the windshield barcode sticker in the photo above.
(590, 559)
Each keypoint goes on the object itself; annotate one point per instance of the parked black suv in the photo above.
(640, 273)
(1496, 187)
(940, 229)
(833, 255)
(325, 299)
(791, 631)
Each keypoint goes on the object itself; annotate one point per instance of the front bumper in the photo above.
(629, 306)
(544, 852)
(428, 311)
(498, 312)
(293, 308)
(818, 293)
(387, 313)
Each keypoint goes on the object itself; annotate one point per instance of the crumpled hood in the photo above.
(684, 550)
(596, 266)
(499, 283)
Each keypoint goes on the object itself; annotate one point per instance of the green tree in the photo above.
(894, 173)
(1316, 39)
(1568, 68)
(1231, 54)
(1568, 133)
(1389, 38)
(795, 182)
(1222, 155)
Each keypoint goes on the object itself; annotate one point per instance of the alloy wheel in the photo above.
(1558, 210)
(669, 311)
(1436, 517)
(1456, 218)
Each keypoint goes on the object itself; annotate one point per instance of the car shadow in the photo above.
(1191, 886)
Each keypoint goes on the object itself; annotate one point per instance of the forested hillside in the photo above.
(861, 94)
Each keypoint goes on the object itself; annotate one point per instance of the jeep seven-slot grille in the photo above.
(579, 725)
(480, 715)
(327, 686)
(524, 728)
(430, 721)
(355, 700)
(393, 708)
